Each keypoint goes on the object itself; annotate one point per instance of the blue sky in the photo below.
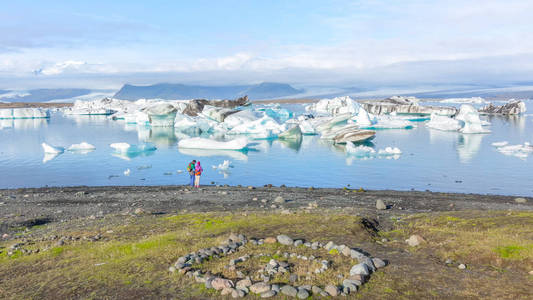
(107, 43)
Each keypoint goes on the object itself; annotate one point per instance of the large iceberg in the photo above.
(444, 123)
(24, 113)
(472, 123)
(162, 115)
(201, 143)
(335, 106)
(404, 105)
(513, 107)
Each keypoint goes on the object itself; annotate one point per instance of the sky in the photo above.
(104, 44)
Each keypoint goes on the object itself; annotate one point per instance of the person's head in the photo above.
(198, 163)
(194, 161)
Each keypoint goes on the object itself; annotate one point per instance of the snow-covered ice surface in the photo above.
(438, 160)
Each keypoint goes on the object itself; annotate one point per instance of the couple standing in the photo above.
(195, 170)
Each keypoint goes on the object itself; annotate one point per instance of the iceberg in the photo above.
(223, 166)
(131, 149)
(240, 117)
(161, 115)
(52, 149)
(127, 172)
(335, 106)
(520, 150)
(404, 105)
(513, 107)
(368, 152)
(390, 151)
(201, 143)
(328, 123)
(83, 146)
(217, 113)
(470, 116)
(263, 128)
(389, 122)
(24, 113)
(500, 144)
(291, 134)
(444, 123)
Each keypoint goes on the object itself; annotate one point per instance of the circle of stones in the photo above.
(358, 275)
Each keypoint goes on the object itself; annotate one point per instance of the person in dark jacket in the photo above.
(191, 168)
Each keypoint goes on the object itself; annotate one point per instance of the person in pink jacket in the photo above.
(197, 172)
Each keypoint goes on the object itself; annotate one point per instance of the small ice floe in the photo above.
(369, 152)
(224, 166)
(201, 143)
(83, 146)
(52, 149)
(179, 171)
(520, 151)
(500, 144)
(127, 172)
(444, 123)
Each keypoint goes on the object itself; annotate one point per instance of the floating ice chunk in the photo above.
(472, 100)
(241, 117)
(500, 144)
(81, 147)
(266, 127)
(470, 116)
(127, 148)
(161, 115)
(201, 143)
(24, 113)
(390, 151)
(223, 166)
(127, 172)
(179, 171)
(52, 149)
(360, 151)
(335, 106)
(307, 128)
(520, 151)
(388, 122)
(444, 123)
(363, 119)
(293, 133)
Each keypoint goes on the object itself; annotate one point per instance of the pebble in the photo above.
(284, 240)
(250, 187)
(414, 240)
(378, 262)
(279, 200)
(520, 200)
(448, 261)
(254, 199)
(332, 290)
(302, 294)
(172, 269)
(462, 266)
(270, 240)
(381, 205)
(268, 294)
(289, 291)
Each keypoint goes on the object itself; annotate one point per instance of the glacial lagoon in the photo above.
(431, 159)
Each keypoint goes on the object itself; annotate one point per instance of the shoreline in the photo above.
(58, 204)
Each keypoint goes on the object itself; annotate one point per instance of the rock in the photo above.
(332, 290)
(221, 283)
(356, 254)
(250, 187)
(298, 243)
(349, 288)
(268, 294)
(380, 205)
(275, 288)
(284, 240)
(531, 272)
(289, 290)
(462, 266)
(227, 291)
(415, 240)
(172, 270)
(259, 288)
(360, 269)
(520, 200)
(279, 200)
(316, 290)
(378, 262)
(368, 262)
(330, 245)
(302, 294)
(448, 261)
(270, 240)
(244, 283)
(254, 199)
(139, 211)
(346, 251)
(238, 293)
(293, 278)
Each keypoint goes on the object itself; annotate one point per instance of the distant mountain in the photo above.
(264, 90)
(42, 95)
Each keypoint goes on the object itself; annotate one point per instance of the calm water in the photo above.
(431, 160)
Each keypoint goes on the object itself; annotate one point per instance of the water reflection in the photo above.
(238, 155)
(468, 146)
(294, 144)
(49, 156)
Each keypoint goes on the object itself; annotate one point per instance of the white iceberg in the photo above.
(390, 151)
(24, 113)
(127, 148)
(360, 151)
(444, 123)
(52, 149)
(389, 122)
(161, 115)
(335, 106)
(127, 172)
(263, 128)
(500, 144)
(201, 143)
(83, 146)
(520, 151)
(223, 166)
